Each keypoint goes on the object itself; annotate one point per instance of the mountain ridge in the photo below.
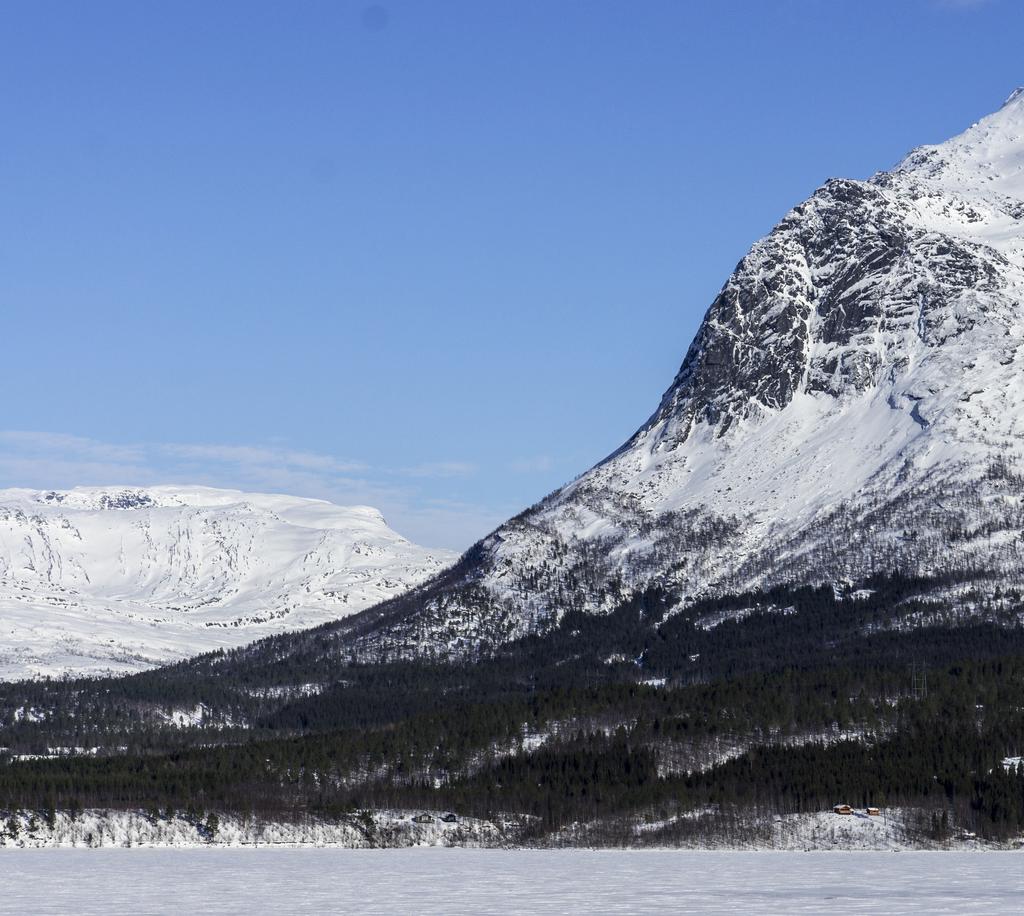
(852, 403)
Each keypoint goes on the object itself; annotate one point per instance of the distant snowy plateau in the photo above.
(97, 580)
(853, 404)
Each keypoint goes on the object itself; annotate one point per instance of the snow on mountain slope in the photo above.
(853, 403)
(119, 579)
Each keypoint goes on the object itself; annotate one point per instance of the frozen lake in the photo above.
(461, 881)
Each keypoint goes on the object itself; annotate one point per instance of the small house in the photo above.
(843, 809)
(873, 812)
(423, 819)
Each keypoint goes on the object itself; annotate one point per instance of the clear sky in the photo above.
(430, 255)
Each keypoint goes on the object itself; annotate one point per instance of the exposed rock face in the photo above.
(852, 403)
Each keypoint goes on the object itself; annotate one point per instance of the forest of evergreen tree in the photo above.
(804, 700)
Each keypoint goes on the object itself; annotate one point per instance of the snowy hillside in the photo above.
(852, 404)
(114, 579)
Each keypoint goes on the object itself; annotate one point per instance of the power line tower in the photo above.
(918, 681)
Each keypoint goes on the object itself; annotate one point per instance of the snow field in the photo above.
(460, 881)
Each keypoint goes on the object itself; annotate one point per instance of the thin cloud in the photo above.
(255, 455)
(440, 469)
(539, 464)
(240, 456)
(30, 440)
(42, 472)
(47, 460)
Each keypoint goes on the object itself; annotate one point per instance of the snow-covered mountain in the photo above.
(852, 404)
(119, 579)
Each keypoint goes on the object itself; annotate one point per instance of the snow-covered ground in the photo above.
(893, 829)
(460, 881)
(113, 579)
(94, 829)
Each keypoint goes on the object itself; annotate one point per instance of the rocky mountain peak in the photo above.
(858, 287)
(852, 401)
(986, 160)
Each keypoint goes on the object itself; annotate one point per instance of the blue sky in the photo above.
(438, 256)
